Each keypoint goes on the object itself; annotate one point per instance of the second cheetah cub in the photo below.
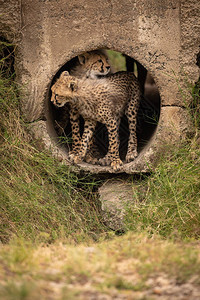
(104, 100)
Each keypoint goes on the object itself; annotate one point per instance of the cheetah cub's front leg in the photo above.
(87, 135)
(76, 137)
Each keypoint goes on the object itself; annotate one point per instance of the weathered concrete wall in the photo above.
(55, 31)
(10, 20)
(163, 35)
(190, 36)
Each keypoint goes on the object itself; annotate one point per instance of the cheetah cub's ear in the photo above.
(83, 58)
(73, 86)
(63, 74)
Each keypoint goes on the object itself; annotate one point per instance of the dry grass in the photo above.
(128, 266)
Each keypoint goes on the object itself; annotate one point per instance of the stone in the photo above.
(115, 195)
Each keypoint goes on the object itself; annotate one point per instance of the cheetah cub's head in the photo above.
(63, 90)
(95, 62)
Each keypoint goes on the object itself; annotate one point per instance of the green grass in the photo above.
(40, 198)
(167, 202)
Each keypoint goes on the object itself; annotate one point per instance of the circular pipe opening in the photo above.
(147, 117)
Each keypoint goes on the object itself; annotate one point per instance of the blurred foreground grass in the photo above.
(133, 266)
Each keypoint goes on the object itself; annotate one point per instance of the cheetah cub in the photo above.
(104, 100)
(91, 64)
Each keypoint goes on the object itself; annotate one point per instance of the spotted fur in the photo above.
(89, 65)
(104, 100)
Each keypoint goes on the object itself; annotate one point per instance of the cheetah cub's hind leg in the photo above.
(113, 149)
(106, 160)
(131, 113)
(90, 155)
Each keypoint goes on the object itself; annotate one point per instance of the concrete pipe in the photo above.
(162, 36)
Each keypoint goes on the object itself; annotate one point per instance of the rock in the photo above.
(114, 197)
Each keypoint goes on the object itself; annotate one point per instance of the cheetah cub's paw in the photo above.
(90, 159)
(74, 158)
(116, 164)
(130, 156)
(71, 155)
(105, 161)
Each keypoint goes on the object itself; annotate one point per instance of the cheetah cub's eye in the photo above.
(100, 60)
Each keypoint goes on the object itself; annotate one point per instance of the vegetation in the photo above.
(50, 221)
(117, 61)
(40, 198)
(167, 202)
(128, 267)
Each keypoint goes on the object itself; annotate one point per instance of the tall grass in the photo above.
(40, 198)
(168, 202)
